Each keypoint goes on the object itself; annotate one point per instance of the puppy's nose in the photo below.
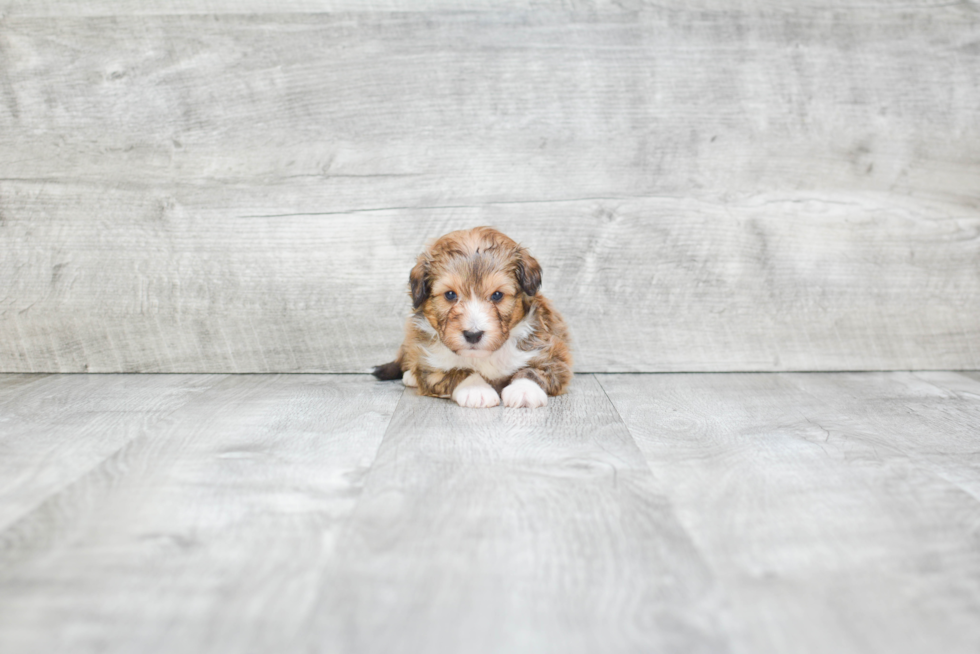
(473, 337)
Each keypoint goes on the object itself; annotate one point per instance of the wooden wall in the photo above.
(242, 186)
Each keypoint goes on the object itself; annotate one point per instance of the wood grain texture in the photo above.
(408, 109)
(54, 429)
(824, 513)
(513, 531)
(58, 8)
(203, 536)
(652, 284)
(838, 511)
(752, 188)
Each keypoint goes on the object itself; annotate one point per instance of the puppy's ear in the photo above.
(418, 280)
(528, 272)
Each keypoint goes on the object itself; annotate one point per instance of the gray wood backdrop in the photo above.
(242, 186)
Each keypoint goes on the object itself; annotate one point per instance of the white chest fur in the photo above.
(507, 360)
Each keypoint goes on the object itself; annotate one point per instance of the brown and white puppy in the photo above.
(480, 331)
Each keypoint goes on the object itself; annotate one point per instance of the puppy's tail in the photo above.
(389, 371)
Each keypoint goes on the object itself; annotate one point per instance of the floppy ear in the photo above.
(418, 280)
(528, 272)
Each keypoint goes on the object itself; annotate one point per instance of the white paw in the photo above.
(524, 393)
(475, 393)
(409, 379)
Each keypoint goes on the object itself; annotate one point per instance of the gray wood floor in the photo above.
(781, 512)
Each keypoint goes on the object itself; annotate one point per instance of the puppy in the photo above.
(480, 332)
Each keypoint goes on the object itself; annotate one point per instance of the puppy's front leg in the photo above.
(465, 387)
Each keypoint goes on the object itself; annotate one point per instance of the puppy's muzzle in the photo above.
(472, 337)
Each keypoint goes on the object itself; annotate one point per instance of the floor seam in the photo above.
(623, 422)
(345, 525)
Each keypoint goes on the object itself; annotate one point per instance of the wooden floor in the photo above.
(639, 513)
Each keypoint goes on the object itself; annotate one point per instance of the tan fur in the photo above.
(474, 264)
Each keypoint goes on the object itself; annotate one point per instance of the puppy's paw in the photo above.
(475, 393)
(409, 379)
(524, 393)
(477, 398)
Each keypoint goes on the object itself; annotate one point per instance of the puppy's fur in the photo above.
(480, 331)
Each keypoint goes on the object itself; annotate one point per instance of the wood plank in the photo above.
(245, 193)
(513, 531)
(839, 511)
(201, 536)
(646, 285)
(415, 109)
(54, 429)
(60, 8)
(54, 8)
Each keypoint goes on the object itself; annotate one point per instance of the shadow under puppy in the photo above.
(480, 332)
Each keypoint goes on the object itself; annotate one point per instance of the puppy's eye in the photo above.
(450, 295)
(497, 296)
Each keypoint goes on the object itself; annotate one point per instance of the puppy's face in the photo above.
(471, 287)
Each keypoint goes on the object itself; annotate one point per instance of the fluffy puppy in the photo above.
(480, 331)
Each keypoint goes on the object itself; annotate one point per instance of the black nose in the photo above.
(473, 337)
